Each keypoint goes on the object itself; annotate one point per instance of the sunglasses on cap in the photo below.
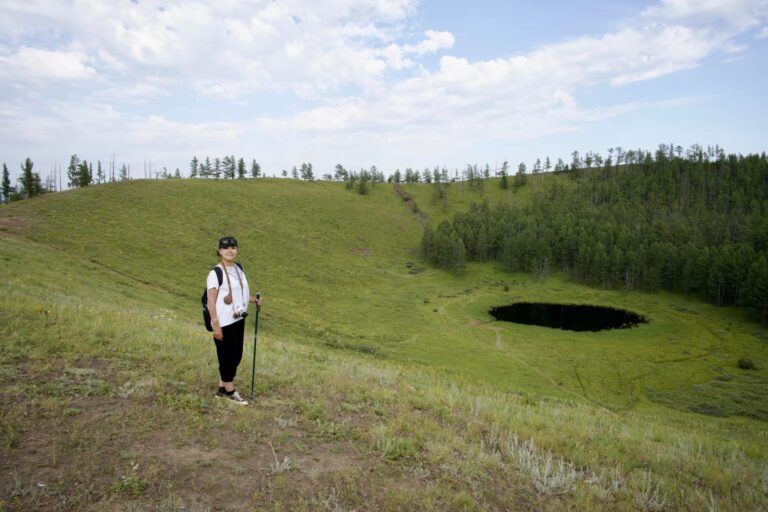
(227, 241)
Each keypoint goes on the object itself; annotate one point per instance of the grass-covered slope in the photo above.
(107, 373)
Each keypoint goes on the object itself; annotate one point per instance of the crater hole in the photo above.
(571, 317)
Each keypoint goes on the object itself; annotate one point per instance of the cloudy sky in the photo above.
(391, 83)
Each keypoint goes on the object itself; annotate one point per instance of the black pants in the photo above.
(230, 350)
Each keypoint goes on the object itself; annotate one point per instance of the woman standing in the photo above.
(228, 305)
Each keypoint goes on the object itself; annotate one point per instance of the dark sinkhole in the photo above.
(570, 317)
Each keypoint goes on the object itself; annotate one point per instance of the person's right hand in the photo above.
(217, 333)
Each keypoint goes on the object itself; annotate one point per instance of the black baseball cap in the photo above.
(227, 241)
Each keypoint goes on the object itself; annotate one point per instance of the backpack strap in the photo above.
(220, 274)
(204, 298)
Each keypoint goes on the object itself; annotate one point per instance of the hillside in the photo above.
(382, 384)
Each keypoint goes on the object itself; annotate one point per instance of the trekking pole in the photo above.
(255, 338)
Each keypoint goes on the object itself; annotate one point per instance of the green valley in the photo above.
(382, 382)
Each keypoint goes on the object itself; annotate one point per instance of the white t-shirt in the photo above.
(240, 296)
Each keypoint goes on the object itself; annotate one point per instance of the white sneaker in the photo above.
(235, 398)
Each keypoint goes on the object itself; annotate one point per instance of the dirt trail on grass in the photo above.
(408, 199)
(501, 347)
(499, 343)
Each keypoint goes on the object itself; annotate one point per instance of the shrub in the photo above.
(129, 486)
(746, 364)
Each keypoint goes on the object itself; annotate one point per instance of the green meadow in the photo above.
(381, 383)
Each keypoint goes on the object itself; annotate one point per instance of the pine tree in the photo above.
(30, 181)
(193, 167)
(205, 171)
(458, 253)
(340, 173)
(481, 246)
(255, 169)
(228, 168)
(125, 173)
(362, 184)
(757, 298)
(520, 177)
(575, 160)
(428, 244)
(84, 177)
(73, 171)
(503, 173)
(375, 175)
(241, 169)
(100, 176)
(306, 172)
(537, 169)
(6, 185)
(232, 168)
(217, 168)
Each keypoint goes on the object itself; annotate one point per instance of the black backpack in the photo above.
(204, 298)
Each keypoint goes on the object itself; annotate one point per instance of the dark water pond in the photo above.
(570, 317)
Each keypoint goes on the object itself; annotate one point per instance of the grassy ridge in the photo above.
(583, 427)
(343, 269)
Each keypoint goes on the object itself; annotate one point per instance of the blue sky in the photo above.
(391, 83)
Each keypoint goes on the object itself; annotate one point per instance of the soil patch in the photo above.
(14, 225)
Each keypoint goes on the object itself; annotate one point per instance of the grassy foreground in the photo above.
(380, 385)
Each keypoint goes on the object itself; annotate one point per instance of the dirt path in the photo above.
(408, 199)
(499, 344)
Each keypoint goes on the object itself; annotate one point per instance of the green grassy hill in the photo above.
(381, 384)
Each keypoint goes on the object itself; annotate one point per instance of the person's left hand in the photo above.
(256, 301)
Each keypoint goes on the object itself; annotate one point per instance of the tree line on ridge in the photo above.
(694, 224)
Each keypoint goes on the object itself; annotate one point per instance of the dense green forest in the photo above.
(695, 225)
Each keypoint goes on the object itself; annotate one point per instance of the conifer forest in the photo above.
(694, 224)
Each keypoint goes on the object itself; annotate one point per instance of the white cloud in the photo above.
(530, 94)
(763, 34)
(397, 56)
(434, 42)
(228, 48)
(360, 63)
(523, 96)
(28, 64)
(738, 12)
(95, 130)
(235, 48)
